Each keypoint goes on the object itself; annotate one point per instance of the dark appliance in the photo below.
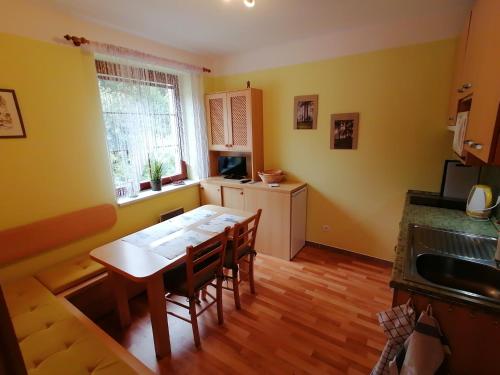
(233, 167)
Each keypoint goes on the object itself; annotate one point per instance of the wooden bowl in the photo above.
(272, 176)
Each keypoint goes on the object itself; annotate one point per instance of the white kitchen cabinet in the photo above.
(210, 194)
(298, 221)
(282, 226)
(233, 198)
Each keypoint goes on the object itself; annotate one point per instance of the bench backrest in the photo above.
(30, 239)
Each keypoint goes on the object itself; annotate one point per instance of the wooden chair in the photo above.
(240, 247)
(203, 265)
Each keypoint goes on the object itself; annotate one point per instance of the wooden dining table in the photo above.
(144, 257)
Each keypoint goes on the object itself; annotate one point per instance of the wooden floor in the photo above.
(315, 315)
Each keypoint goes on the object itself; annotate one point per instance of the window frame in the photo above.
(165, 180)
(154, 78)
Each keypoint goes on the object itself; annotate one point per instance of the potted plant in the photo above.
(155, 172)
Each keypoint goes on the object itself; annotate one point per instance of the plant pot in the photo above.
(156, 185)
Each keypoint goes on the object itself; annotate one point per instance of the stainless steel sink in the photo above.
(456, 261)
(460, 274)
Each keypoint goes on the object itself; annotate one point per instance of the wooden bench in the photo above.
(79, 279)
(54, 336)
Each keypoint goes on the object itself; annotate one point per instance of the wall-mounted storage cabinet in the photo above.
(282, 229)
(458, 79)
(235, 127)
(477, 78)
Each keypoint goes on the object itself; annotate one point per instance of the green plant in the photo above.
(155, 170)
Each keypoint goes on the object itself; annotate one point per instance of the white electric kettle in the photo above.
(479, 203)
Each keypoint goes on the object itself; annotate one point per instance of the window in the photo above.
(143, 119)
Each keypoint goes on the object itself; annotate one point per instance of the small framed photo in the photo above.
(11, 122)
(344, 131)
(305, 112)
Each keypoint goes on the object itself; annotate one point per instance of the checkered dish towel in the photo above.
(398, 324)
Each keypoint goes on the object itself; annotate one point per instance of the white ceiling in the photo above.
(225, 27)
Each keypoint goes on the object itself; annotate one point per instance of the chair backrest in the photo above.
(245, 234)
(205, 259)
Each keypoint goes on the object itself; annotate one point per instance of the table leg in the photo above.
(121, 298)
(158, 311)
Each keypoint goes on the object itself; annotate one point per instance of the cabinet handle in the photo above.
(467, 86)
(241, 193)
(474, 145)
(477, 146)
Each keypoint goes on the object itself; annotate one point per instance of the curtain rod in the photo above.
(81, 41)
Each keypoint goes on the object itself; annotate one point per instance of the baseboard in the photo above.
(350, 253)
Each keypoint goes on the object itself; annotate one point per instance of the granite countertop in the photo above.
(439, 218)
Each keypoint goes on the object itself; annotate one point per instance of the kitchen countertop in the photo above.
(285, 186)
(438, 218)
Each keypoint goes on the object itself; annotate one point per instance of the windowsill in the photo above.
(148, 194)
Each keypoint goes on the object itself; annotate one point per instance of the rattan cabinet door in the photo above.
(217, 118)
(240, 121)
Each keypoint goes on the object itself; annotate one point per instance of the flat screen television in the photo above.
(232, 166)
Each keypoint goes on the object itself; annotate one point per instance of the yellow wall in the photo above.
(401, 95)
(62, 165)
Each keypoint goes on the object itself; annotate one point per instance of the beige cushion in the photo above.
(65, 275)
(52, 340)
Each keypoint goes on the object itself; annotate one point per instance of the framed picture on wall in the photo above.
(305, 112)
(11, 122)
(344, 131)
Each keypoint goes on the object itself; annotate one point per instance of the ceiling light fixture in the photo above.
(249, 3)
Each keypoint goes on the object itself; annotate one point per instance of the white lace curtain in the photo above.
(150, 113)
(143, 117)
(200, 148)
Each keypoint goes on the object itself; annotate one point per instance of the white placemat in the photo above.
(147, 237)
(191, 217)
(177, 243)
(219, 223)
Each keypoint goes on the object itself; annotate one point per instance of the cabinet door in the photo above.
(298, 221)
(210, 194)
(457, 91)
(240, 120)
(233, 198)
(483, 74)
(473, 335)
(216, 108)
(273, 234)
